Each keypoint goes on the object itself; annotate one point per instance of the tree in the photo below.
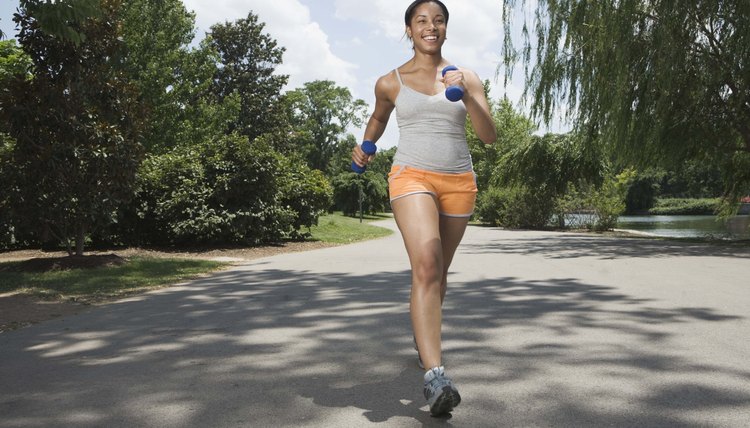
(60, 18)
(513, 129)
(348, 186)
(14, 64)
(248, 62)
(659, 81)
(159, 62)
(75, 123)
(324, 112)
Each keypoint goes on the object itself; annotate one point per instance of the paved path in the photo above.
(541, 329)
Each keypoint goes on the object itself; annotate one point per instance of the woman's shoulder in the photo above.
(387, 85)
(389, 79)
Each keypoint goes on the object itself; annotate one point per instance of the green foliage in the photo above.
(660, 82)
(532, 173)
(349, 187)
(594, 207)
(323, 112)
(174, 80)
(516, 206)
(643, 190)
(553, 161)
(225, 191)
(13, 62)
(248, 59)
(681, 206)
(307, 193)
(62, 18)
(75, 124)
(7, 229)
(608, 201)
(513, 129)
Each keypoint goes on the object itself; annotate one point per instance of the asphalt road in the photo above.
(540, 329)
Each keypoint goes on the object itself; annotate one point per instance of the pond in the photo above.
(688, 226)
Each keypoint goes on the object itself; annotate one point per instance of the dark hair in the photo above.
(410, 10)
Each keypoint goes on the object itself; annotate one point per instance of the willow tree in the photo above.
(660, 81)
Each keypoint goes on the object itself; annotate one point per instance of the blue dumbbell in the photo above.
(369, 148)
(453, 93)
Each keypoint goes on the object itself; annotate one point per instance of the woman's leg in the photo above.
(431, 241)
(451, 232)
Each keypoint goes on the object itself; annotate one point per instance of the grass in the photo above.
(339, 229)
(145, 273)
(139, 274)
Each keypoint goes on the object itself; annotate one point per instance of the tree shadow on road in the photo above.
(285, 347)
(571, 245)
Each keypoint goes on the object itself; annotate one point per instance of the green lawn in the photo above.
(144, 273)
(138, 274)
(338, 229)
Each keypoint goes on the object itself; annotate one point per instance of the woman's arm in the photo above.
(475, 102)
(384, 105)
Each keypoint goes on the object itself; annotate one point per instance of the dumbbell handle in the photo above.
(369, 148)
(453, 93)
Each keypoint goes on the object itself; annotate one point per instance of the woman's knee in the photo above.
(428, 270)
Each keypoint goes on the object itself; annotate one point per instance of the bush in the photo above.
(678, 206)
(586, 206)
(346, 192)
(514, 207)
(227, 191)
(641, 194)
(307, 193)
(608, 201)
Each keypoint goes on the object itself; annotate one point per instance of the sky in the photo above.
(353, 42)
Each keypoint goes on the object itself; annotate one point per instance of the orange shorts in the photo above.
(454, 193)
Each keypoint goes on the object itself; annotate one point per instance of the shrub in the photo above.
(227, 191)
(677, 206)
(347, 187)
(514, 207)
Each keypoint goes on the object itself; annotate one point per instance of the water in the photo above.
(688, 226)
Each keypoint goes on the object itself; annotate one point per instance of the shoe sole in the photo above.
(446, 402)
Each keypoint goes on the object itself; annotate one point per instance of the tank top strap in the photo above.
(398, 76)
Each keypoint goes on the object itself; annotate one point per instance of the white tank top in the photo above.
(432, 132)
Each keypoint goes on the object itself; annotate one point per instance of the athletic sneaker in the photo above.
(439, 391)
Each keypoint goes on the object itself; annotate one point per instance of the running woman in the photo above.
(432, 187)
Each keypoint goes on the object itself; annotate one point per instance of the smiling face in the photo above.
(427, 27)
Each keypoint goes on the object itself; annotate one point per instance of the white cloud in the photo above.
(386, 15)
(308, 54)
(474, 28)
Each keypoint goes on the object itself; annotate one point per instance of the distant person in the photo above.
(432, 184)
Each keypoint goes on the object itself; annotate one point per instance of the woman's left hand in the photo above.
(454, 78)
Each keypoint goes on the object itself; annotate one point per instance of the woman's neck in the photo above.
(427, 61)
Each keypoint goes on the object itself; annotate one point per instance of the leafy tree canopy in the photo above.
(324, 111)
(75, 124)
(248, 61)
(659, 81)
(62, 18)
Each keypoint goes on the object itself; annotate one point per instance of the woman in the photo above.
(431, 184)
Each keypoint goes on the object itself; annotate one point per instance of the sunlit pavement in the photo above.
(540, 329)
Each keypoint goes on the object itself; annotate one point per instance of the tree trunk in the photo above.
(80, 239)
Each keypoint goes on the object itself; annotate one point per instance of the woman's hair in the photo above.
(413, 6)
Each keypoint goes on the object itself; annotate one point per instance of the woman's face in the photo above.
(427, 29)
